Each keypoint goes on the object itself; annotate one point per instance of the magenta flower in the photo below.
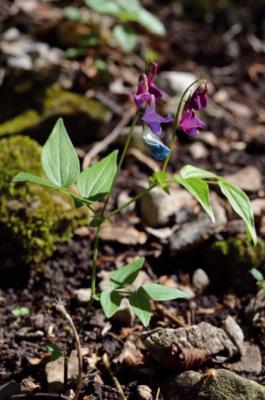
(146, 87)
(153, 119)
(191, 124)
(199, 99)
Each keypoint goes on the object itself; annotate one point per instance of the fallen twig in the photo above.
(107, 365)
(103, 144)
(61, 308)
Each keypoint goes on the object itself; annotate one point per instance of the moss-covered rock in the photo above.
(32, 218)
(85, 117)
(228, 262)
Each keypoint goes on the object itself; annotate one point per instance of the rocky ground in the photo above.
(210, 346)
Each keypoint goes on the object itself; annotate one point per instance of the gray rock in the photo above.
(248, 179)
(200, 229)
(144, 392)
(214, 385)
(83, 295)
(175, 83)
(198, 150)
(200, 279)
(215, 341)
(157, 207)
(250, 362)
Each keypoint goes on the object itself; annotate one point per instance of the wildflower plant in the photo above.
(94, 186)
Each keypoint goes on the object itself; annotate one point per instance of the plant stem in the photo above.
(60, 307)
(107, 365)
(95, 250)
(176, 122)
(132, 200)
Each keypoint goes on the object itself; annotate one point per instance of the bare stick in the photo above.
(157, 394)
(103, 144)
(106, 363)
(61, 308)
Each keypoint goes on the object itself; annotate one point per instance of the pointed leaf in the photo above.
(126, 275)
(27, 177)
(96, 181)
(110, 301)
(241, 205)
(200, 191)
(150, 22)
(58, 157)
(162, 293)
(193, 172)
(141, 306)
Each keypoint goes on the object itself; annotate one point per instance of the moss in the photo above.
(26, 120)
(32, 218)
(81, 114)
(241, 251)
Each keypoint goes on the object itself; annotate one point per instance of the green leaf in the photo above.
(74, 14)
(126, 275)
(200, 191)
(193, 172)
(162, 293)
(96, 181)
(55, 351)
(256, 274)
(20, 311)
(150, 22)
(141, 306)
(27, 177)
(58, 157)
(104, 7)
(241, 205)
(125, 37)
(110, 301)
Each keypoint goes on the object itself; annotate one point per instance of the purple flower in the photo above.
(199, 99)
(146, 87)
(153, 119)
(190, 123)
(142, 93)
(153, 89)
(159, 151)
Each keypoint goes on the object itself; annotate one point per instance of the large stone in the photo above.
(32, 218)
(248, 179)
(212, 385)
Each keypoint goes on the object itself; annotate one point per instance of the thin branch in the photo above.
(61, 308)
(103, 144)
(107, 365)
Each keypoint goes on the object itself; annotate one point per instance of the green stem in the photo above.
(176, 122)
(102, 214)
(132, 200)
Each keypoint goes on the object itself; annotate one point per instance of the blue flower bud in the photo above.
(159, 151)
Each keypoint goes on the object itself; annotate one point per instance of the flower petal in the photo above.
(159, 151)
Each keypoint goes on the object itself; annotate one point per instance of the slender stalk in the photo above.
(176, 122)
(107, 365)
(124, 152)
(102, 214)
(133, 199)
(60, 307)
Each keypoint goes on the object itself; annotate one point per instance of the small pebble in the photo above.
(200, 279)
(144, 392)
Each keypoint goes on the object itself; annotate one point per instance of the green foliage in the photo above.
(258, 276)
(126, 275)
(32, 218)
(192, 179)
(128, 11)
(241, 205)
(200, 191)
(141, 306)
(110, 301)
(58, 157)
(125, 37)
(55, 351)
(140, 299)
(96, 181)
(20, 312)
(162, 293)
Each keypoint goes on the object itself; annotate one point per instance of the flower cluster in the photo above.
(147, 94)
(189, 122)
